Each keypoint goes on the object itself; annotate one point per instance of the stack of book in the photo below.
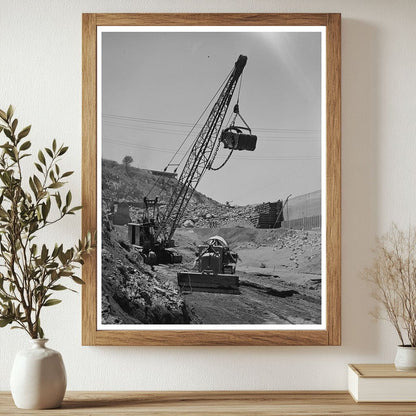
(381, 383)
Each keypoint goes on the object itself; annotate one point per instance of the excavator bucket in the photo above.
(202, 282)
(238, 141)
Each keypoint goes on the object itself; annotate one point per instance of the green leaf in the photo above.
(40, 332)
(59, 287)
(77, 208)
(33, 187)
(41, 157)
(8, 133)
(37, 182)
(51, 302)
(3, 115)
(39, 167)
(58, 199)
(34, 249)
(49, 151)
(76, 279)
(56, 185)
(25, 145)
(55, 251)
(45, 211)
(24, 132)
(54, 145)
(68, 199)
(5, 321)
(63, 150)
(14, 125)
(62, 257)
(67, 174)
(44, 253)
(10, 112)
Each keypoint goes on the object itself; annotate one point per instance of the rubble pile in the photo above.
(297, 240)
(131, 292)
(218, 215)
(298, 250)
(305, 248)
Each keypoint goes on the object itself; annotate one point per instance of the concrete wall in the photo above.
(41, 75)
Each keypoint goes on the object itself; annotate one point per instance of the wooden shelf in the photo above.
(212, 403)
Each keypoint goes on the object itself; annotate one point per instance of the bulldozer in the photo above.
(216, 265)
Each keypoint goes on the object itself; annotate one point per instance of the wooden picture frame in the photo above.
(331, 335)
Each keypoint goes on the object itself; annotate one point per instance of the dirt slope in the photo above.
(131, 292)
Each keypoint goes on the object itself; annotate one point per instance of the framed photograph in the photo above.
(211, 172)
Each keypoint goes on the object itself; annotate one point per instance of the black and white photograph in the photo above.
(211, 178)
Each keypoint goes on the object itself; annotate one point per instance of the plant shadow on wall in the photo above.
(31, 273)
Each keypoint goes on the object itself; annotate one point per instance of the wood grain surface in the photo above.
(212, 403)
(332, 334)
(380, 371)
(89, 173)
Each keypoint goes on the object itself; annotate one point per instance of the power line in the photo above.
(172, 151)
(183, 124)
(181, 133)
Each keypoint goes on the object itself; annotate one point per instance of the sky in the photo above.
(155, 86)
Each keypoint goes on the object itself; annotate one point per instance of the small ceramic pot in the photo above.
(38, 378)
(405, 358)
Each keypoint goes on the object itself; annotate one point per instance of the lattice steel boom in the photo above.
(200, 157)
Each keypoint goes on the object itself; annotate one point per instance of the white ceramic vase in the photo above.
(405, 358)
(38, 378)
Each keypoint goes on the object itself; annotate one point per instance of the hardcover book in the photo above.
(381, 383)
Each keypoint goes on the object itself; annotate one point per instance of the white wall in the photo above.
(40, 73)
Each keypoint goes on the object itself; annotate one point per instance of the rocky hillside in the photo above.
(133, 184)
(131, 292)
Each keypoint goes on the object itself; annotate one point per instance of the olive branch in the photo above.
(31, 273)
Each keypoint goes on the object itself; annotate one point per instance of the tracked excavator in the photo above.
(154, 235)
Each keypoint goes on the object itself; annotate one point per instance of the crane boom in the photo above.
(200, 157)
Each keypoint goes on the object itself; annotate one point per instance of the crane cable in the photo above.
(225, 161)
(205, 110)
(186, 138)
(218, 144)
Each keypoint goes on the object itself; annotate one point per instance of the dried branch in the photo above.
(393, 276)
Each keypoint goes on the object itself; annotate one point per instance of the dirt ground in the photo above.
(279, 272)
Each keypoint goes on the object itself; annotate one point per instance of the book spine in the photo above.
(353, 381)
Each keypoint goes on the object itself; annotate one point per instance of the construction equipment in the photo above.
(143, 236)
(155, 233)
(233, 136)
(216, 269)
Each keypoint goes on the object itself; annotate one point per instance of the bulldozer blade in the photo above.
(201, 282)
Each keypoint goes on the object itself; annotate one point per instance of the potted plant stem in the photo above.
(32, 272)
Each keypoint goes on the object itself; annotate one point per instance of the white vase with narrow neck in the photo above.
(405, 358)
(38, 378)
